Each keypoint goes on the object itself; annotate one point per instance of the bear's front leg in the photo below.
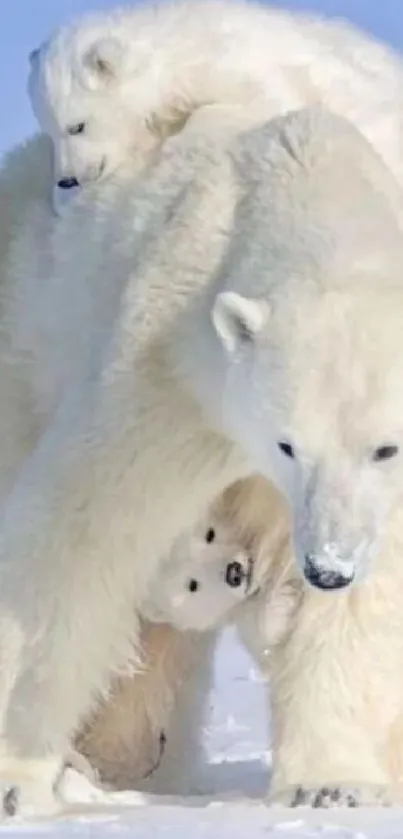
(67, 617)
(336, 691)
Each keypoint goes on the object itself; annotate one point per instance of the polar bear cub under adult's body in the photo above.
(114, 85)
(147, 734)
(174, 332)
(234, 566)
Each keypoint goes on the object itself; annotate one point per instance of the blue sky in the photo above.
(24, 23)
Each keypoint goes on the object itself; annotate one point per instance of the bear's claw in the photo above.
(10, 802)
(324, 797)
(365, 795)
(28, 788)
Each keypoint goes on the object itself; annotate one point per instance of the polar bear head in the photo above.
(205, 576)
(311, 329)
(104, 90)
(75, 88)
(86, 97)
(238, 549)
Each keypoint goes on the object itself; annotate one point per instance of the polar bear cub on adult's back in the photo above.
(113, 85)
(161, 367)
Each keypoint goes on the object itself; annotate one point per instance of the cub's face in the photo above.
(205, 576)
(87, 98)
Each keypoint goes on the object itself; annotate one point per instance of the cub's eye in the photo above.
(286, 448)
(210, 535)
(193, 585)
(385, 452)
(76, 129)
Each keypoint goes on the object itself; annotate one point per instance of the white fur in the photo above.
(126, 416)
(166, 67)
(132, 76)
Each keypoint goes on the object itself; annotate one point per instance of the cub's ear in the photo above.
(237, 320)
(105, 62)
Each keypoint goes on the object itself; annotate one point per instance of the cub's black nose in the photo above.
(68, 183)
(235, 574)
(325, 578)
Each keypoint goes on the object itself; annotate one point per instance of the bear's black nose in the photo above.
(68, 183)
(235, 574)
(325, 578)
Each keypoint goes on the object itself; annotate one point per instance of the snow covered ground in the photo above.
(230, 806)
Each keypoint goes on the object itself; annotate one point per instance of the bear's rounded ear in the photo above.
(237, 319)
(104, 62)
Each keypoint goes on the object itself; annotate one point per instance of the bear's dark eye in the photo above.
(210, 535)
(73, 130)
(193, 585)
(286, 448)
(385, 452)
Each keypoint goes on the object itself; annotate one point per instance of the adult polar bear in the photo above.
(173, 332)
